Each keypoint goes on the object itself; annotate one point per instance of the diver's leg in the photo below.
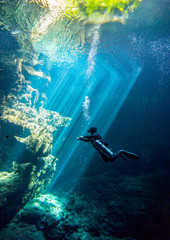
(114, 156)
(106, 159)
(111, 159)
(129, 154)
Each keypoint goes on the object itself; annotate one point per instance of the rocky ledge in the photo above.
(100, 208)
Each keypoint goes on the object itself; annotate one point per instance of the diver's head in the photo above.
(92, 130)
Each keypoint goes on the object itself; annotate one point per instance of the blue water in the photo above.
(119, 83)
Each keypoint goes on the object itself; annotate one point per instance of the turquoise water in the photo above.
(58, 80)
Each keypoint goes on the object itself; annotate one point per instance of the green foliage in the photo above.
(81, 9)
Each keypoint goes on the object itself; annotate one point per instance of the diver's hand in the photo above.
(80, 138)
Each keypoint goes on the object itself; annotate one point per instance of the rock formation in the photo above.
(101, 207)
(13, 186)
(22, 112)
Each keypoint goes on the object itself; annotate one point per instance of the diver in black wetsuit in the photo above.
(101, 147)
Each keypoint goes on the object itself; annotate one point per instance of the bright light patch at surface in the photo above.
(56, 8)
(95, 11)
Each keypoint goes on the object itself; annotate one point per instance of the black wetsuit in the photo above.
(104, 151)
(93, 138)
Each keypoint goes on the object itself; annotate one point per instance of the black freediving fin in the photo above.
(129, 154)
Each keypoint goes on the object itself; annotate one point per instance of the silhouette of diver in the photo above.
(102, 148)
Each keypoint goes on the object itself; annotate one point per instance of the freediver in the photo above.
(102, 148)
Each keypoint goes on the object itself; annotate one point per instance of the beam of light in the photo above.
(107, 91)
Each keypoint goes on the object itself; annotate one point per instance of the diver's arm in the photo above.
(85, 138)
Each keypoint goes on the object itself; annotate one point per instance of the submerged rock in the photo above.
(47, 213)
(22, 114)
(13, 186)
(41, 124)
(23, 183)
(41, 176)
(21, 231)
(115, 212)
